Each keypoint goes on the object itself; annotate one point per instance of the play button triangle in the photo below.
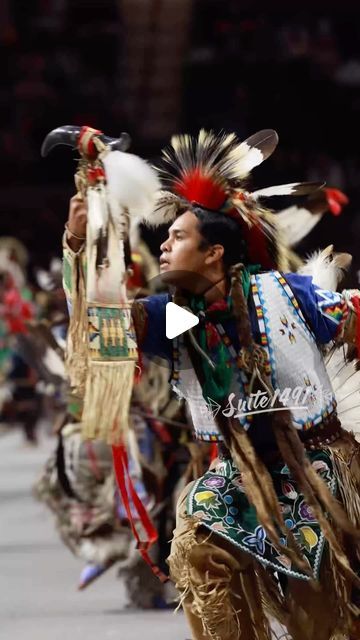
(178, 320)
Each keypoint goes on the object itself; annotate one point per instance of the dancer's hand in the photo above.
(76, 224)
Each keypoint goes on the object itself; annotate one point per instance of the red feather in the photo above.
(200, 188)
(210, 193)
(336, 200)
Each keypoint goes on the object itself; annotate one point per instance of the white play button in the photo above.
(178, 320)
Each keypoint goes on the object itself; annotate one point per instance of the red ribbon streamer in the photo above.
(214, 452)
(124, 481)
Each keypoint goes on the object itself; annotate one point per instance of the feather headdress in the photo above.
(210, 171)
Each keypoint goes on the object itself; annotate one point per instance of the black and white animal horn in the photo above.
(69, 135)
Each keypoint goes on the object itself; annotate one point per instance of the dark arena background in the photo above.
(156, 67)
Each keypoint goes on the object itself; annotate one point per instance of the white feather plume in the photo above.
(326, 267)
(98, 213)
(134, 232)
(132, 182)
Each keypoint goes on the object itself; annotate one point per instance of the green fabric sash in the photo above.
(217, 378)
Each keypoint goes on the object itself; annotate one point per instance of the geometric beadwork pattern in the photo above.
(331, 304)
(111, 333)
(293, 362)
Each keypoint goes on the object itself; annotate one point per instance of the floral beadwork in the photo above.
(218, 499)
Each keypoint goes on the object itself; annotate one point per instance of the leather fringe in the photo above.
(108, 385)
(76, 357)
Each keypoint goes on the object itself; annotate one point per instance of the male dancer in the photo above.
(263, 531)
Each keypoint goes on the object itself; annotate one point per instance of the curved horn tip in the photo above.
(122, 143)
(45, 147)
(125, 140)
(67, 134)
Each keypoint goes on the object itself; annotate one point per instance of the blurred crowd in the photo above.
(27, 394)
(299, 74)
(245, 69)
(53, 72)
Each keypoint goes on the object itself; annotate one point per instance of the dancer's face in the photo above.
(184, 252)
